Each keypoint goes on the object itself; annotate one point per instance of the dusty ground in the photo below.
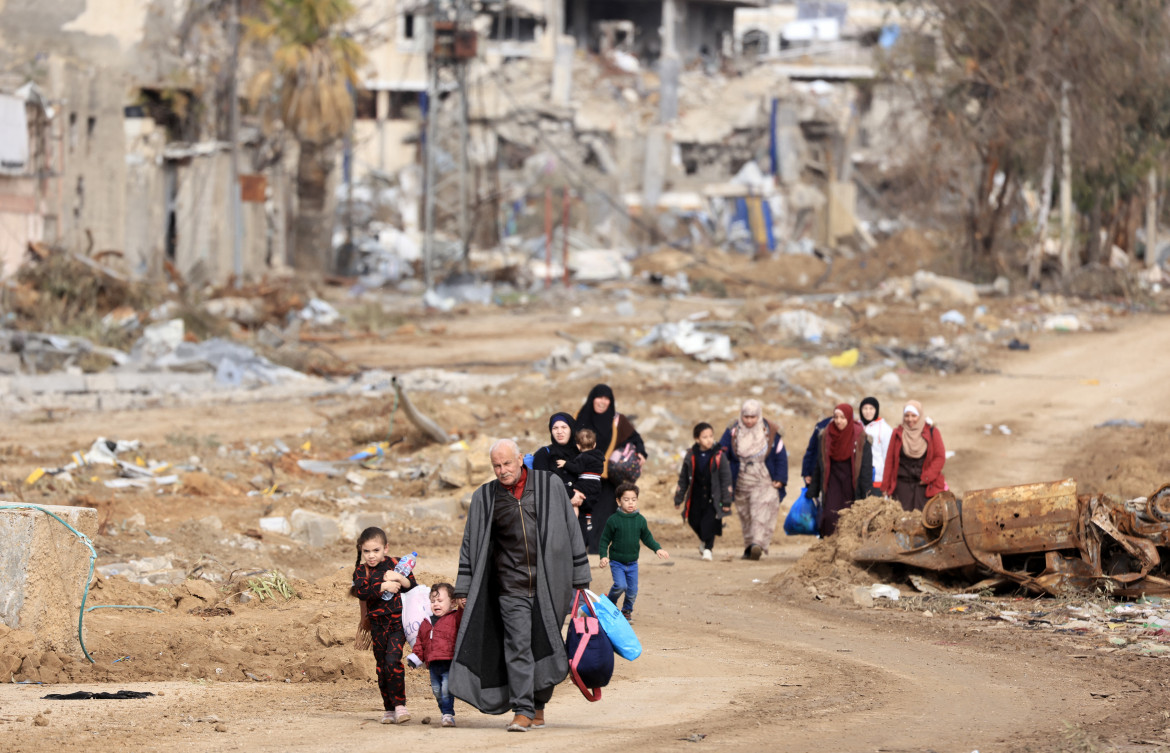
(727, 655)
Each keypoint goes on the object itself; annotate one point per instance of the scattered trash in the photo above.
(1003, 429)
(1015, 344)
(953, 317)
(329, 468)
(883, 591)
(1127, 423)
(702, 346)
(319, 313)
(804, 325)
(846, 360)
(84, 695)
(234, 365)
(1062, 323)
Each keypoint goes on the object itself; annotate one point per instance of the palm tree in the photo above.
(313, 65)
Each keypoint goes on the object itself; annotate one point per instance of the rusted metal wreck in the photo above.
(1041, 536)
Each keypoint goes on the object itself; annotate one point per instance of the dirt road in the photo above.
(725, 655)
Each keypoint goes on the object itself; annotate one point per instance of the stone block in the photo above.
(946, 291)
(101, 382)
(353, 523)
(42, 574)
(59, 383)
(314, 529)
(433, 509)
(455, 469)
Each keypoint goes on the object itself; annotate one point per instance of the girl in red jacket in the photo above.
(914, 460)
(435, 645)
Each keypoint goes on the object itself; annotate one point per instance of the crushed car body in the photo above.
(1042, 536)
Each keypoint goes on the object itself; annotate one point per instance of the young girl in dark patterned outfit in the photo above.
(372, 576)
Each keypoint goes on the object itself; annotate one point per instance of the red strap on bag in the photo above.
(587, 627)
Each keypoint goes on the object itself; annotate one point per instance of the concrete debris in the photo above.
(599, 265)
(159, 339)
(234, 365)
(447, 296)
(152, 571)
(319, 313)
(41, 352)
(805, 325)
(314, 529)
(245, 311)
(937, 289)
(276, 524)
(702, 346)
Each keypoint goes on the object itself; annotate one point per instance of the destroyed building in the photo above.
(575, 97)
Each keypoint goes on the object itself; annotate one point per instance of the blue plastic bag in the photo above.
(802, 516)
(616, 626)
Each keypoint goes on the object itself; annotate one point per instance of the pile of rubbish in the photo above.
(138, 473)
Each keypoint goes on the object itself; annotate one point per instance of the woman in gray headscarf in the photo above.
(759, 473)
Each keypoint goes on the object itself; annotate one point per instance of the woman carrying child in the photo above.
(562, 429)
(705, 488)
(374, 576)
(613, 431)
(586, 469)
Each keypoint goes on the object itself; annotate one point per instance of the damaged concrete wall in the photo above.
(89, 207)
(43, 568)
(203, 251)
(146, 198)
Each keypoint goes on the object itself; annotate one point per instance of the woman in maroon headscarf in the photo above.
(844, 467)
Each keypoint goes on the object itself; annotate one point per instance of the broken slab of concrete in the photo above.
(43, 568)
(314, 529)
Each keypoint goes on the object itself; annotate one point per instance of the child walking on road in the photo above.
(620, 544)
(704, 488)
(435, 645)
(374, 576)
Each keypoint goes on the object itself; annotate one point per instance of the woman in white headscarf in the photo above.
(915, 460)
(759, 473)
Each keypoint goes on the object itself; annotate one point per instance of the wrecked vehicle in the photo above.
(1042, 536)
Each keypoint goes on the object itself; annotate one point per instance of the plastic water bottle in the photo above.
(404, 568)
(406, 565)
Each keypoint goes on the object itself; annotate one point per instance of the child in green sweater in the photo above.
(620, 544)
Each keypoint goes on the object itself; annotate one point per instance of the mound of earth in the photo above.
(1127, 461)
(827, 568)
(205, 633)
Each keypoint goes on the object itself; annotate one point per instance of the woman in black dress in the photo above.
(613, 431)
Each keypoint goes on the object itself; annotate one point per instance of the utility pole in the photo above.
(1066, 204)
(464, 230)
(432, 119)
(1152, 219)
(235, 213)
